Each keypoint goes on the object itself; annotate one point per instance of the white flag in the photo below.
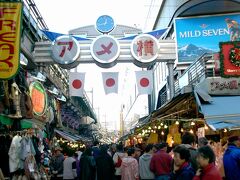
(144, 80)
(110, 82)
(76, 83)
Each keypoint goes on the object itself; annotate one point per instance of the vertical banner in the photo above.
(76, 83)
(110, 82)
(144, 80)
(10, 32)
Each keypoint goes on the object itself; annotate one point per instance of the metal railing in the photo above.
(199, 70)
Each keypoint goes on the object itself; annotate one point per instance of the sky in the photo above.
(62, 16)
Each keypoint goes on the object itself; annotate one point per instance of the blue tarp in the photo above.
(222, 112)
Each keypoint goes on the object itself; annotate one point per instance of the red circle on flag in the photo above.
(144, 82)
(110, 82)
(77, 84)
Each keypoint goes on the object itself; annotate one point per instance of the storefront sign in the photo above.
(194, 34)
(105, 50)
(201, 132)
(10, 33)
(65, 50)
(223, 86)
(39, 98)
(144, 48)
(230, 59)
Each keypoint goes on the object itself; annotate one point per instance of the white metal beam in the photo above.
(42, 52)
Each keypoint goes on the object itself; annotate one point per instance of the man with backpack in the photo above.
(117, 159)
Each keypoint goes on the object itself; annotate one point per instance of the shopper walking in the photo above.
(182, 169)
(129, 167)
(56, 164)
(69, 166)
(105, 166)
(87, 165)
(189, 141)
(231, 159)
(161, 162)
(207, 168)
(117, 159)
(144, 163)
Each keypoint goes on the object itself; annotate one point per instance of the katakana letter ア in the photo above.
(64, 44)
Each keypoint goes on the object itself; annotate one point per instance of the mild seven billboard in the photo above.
(198, 35)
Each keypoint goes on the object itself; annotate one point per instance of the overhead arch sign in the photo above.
(105, 50)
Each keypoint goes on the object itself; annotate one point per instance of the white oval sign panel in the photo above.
(144, 48)
(105, 50)
(65, 50)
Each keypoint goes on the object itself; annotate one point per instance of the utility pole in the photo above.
(98, 113)
(105, 121)
(121, 121)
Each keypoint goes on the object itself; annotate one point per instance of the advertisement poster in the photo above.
(198, 35)
(230, 59)
(10, 18)
(39, 98)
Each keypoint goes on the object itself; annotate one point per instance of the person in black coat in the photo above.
(105, 165)
(87, 165)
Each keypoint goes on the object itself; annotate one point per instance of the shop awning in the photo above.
(67, 136)
(31, 123)
(221, 112)
(6, 120)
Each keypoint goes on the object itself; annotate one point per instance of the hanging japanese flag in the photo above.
(76, 83)
(110, 82)
(144, 80)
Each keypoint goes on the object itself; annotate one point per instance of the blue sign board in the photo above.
(198, 35)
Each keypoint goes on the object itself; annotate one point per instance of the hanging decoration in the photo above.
(235, 56)
(230, 59)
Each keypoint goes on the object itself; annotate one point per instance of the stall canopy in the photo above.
(72, 137)
(220, 111)
(67, 136)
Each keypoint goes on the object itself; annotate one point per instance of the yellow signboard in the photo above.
(10, 29)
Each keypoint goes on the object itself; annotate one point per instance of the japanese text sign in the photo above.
(144, 48)
(10, 30)
(105, 50)
(65, 50)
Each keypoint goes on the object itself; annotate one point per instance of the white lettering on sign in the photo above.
(204, 33)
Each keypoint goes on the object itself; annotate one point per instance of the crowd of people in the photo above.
(186, 161)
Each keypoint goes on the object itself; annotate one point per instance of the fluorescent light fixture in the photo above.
(40, 77)
(23, 60)
(62, 98)
(54, 91)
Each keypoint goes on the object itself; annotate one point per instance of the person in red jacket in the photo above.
(161, 162)
(206, 159)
